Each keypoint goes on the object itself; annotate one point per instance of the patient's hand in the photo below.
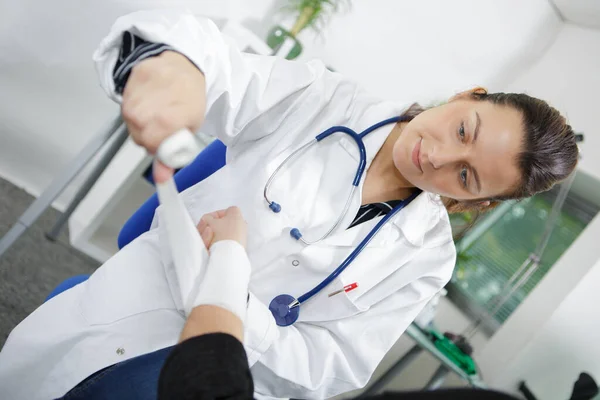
(223, 225)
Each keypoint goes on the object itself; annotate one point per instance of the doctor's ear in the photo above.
(481, 205)
(478, 206)
(476, 91)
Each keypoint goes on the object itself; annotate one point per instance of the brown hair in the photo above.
(549, 154)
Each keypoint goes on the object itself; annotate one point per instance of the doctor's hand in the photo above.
(223, 225)
(163, 95)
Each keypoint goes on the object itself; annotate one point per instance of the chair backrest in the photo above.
(67, 284)
(211, 159)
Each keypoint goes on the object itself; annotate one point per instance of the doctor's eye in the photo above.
(463, 176)
(461, 131)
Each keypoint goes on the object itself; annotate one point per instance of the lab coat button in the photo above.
(295, 263)
(120, 351)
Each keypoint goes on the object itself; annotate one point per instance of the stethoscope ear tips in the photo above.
(295, 233)
(275, 207)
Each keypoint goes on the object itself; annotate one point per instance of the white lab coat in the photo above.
(262, 108)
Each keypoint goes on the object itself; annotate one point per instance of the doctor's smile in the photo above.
(313, 328)
(416, 155)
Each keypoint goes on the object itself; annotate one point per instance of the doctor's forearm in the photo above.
(162, 90)
(163, 95)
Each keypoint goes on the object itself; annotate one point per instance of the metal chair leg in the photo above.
(526, 392)
(391, 373)
(438, 378)
(57, 186)
(109, 154)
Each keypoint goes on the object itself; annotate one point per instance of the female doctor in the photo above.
(475, 150)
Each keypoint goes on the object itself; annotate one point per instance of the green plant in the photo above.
(312, 13)
(307, 13)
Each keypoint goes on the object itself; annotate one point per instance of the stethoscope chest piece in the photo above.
(282, 312)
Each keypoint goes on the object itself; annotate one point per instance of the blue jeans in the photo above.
(136, 378)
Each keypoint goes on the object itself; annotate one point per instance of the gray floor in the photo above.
(34, 265)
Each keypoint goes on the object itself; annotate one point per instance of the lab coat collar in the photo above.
(419, 217)
(412, 223)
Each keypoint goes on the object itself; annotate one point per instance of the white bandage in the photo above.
(179, 149)
(225, 282)
(188, 252)
(221, 279)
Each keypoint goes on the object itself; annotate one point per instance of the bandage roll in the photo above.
(179, 149)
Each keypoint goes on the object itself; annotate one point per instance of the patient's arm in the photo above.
(212, 319)
(223, 293)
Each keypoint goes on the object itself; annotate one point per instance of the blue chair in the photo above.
(210, 160)
(67, 284)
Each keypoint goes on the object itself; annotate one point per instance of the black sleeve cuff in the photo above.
(133, 50)
(211, 366)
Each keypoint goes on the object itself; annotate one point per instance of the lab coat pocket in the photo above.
(331, 303)
(130, 283)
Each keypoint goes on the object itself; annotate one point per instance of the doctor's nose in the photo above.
(442, 156)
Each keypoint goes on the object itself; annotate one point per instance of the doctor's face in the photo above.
(466, 150)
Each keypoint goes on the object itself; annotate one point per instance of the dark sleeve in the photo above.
(211, 366)
(133, 50)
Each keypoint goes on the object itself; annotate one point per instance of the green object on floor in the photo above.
(450, 350)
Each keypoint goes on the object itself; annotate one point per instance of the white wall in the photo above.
(434, 48)
(567, 76)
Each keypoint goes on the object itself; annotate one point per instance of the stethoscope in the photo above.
(284, 307)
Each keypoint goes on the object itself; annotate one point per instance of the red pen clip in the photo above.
(346, 289)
